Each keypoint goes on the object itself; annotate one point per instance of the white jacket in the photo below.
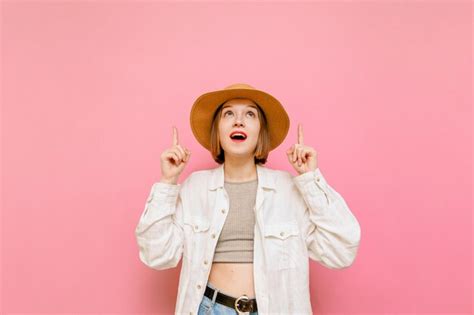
(297, 218)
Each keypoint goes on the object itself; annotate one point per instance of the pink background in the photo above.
(90, 91)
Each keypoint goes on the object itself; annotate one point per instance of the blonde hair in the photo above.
(263, 143)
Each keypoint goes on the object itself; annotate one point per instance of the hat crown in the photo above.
(239, 86)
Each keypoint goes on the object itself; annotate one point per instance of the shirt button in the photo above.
(317, 179)
(213, 235)
(223, 210)
(205, 262)
(196, 227)
(282, 233)
(199, 286)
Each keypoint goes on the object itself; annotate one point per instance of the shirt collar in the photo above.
(265, 178)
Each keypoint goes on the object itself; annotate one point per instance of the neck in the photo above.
(239, 170)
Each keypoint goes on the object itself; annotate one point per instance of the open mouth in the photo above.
(238, 136)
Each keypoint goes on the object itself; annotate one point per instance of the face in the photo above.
(239, 115)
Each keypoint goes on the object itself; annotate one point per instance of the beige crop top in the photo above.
(235, 243)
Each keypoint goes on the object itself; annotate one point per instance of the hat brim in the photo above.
(205, 106)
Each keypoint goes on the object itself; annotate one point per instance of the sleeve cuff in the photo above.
(161, 201)
(164, 192)
(303, 181)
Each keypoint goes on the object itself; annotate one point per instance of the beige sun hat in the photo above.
(205, 106)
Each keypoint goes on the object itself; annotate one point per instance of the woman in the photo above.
(245, 232)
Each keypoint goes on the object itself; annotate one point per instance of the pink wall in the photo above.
(90, 91)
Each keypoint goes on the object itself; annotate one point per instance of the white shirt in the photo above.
(297, 217)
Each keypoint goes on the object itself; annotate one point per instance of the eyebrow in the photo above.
(252, 106)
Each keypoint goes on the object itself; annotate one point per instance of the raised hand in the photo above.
(173, 160)
(303, 158)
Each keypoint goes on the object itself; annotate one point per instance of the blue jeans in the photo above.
(211, 307)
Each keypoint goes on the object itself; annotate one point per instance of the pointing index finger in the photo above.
(300, 134)
(175, 136)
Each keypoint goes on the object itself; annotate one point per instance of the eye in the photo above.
(249, 112)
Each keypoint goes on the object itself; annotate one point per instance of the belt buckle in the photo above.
(236, 304)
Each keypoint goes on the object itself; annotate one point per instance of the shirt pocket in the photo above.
(195, 235)
(282, 244)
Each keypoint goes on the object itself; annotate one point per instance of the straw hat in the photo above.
(205, 106)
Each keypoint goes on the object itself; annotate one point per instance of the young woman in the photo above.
(244, 232)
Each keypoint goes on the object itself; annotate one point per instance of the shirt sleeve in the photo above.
(159, 233)
(331, 231)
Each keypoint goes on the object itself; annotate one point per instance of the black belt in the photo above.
(240, 304)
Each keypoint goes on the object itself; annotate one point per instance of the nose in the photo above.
(238, 121)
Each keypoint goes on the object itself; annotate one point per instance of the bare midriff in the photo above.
(234, 279)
